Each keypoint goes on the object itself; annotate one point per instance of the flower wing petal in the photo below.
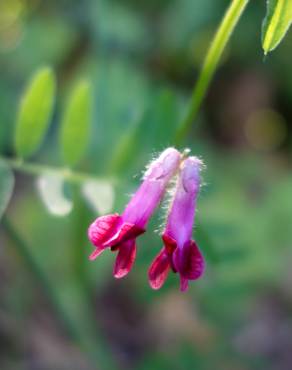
(158, 270)
(103, 228)
(189, 261)
(125, 258)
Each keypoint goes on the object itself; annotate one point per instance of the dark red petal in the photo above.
(189, 261)
(125, 258)
(103, 228)
(158, 270)
(96, 253)
(126, 232)
(169, 243)
(184, 284)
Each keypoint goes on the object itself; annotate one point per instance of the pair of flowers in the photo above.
(119, 232)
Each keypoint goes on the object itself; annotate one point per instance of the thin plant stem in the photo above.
(80, 221)
(36, 169)
(210, 64)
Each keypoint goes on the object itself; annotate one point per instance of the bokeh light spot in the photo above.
(265, 130)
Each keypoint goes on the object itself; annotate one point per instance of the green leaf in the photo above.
(75, 125)
(276, 23)
(35, 112)
(51, 191)
(6, 186)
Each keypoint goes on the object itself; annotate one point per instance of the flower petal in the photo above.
(184, 284)
(96, 253)
(124, 233)
(169, 243)
(158, 270)
(189, 261)
(125, 258)
(103, 228)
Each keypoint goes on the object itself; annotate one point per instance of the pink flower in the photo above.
(119, 232)
(180, 252)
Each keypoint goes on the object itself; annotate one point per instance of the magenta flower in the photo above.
(180, 252)
(119, 232)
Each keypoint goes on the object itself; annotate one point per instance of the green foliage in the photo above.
(162, 120)
(276, 23)
(213, 56)
(35, 112)
(125, 150)
(6, 186)
(122, 97)
(76, 123)
(113, 20)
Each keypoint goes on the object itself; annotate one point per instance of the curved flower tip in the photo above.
(158, 270)
(164, 166)
(125, 259)
(190, 175)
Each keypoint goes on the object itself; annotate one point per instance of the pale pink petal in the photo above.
(125, 258)
(158, 270)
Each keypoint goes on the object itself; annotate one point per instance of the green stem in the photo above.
(40, 169)
(214, 53)
(81, 218)
(95, 348)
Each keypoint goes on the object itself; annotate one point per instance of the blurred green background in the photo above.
(142, 58)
